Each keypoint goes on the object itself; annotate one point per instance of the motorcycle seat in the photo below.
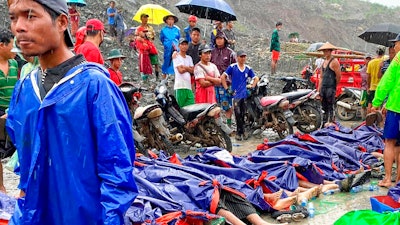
(292, 79)
(296, 94)
(190, 112)
(271, 100)
(148, 111)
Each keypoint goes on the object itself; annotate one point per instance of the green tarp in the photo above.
(369, 217)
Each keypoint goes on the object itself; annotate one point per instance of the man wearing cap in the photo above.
(222, 57)
(389, 87)
(111, 11)
(8, 78)
(275, 46)
(192, 24)
(169, 37)
(207, 77)
(150, 34)
(115, 58)
(328, 81)
(239, 73)
(183, 66)
(90, 49)
(71, 126)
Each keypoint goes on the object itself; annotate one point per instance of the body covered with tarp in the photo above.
(75, 148)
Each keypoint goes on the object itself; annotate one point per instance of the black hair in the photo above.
(92, 33)
(5, 36)
(196, 29)
(279, 23)
(112, 2)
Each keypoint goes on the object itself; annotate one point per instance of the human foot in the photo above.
(385, 183)
(273, 197)
(285, 203)
(327, 187)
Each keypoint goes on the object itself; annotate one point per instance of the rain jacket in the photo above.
(76, 150)
(169, 37)
(389, 85)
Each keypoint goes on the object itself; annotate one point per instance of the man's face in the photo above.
(183, 47)
(144, 19)
(35, 31)
(241, 59)
(397, 46)
(327, 52)
(220, 42)
(279, 27)
(192, 23)
(170, 21)
(195, 36)
(112, 4)
(230, 25)
(5, 50)
(205, 56)
(116, 63)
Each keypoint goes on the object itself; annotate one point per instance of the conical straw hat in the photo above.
(327, 46)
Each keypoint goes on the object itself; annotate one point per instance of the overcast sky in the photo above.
(387, 2)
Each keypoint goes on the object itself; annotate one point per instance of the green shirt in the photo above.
(389, 85)
(7, 83)
(275, 44)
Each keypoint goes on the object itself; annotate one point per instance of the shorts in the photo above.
(392, 126)
(364, 98)
(275, 55)
(154, 59)
(370, 96)
(184, 97)
(238, 206)
(223, 99)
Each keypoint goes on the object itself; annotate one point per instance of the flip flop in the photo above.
(284, 218)
(298, 217)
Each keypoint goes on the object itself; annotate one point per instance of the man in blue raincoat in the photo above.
(169, 36)
(71, 127)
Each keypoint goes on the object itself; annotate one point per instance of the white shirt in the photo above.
(211, 68)
(182, 80)
(319, 62)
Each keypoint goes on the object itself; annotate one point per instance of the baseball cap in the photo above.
(241, 53)
(396, 39)
(204, 48)
(182, 40)
(192, 18)
(143, 15)
(95, 24)
(59, 6)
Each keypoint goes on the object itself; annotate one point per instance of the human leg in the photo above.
(255, 219)
(230, 217)
(388, 158)
(2, 188)
(239, 108)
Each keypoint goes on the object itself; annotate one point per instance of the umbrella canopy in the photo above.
(130, 31)
(207, 9)
(79, 3)
(381, 33)
(155, 12)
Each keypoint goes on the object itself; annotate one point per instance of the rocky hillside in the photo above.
(336, 21)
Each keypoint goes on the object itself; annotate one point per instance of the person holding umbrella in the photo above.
(169, 36)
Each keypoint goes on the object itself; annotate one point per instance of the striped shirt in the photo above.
(7, 82)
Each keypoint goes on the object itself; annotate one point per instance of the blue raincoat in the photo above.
(76, 150)
(169, 37)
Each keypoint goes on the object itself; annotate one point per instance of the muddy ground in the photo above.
(329, 208)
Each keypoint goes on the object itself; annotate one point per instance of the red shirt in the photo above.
(115, 76)
(91, 52)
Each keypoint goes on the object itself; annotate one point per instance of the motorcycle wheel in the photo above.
(343, 113)
(141, 149)
(168, 146)
(313, 119)
(284, 127)
(218, 135)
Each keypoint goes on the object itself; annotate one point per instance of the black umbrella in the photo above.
(207, 9)
(381, 33)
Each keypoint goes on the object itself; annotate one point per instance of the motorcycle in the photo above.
(149, 126)
(304, 103)
(199, 123)
(306, 109)
(348, 105)
(268, 111)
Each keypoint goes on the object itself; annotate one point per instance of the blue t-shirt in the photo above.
(111, 18)
(239, 79)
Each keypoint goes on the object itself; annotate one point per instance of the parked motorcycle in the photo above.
(268, 111)
(348, 104)
(304, 103)
(149, 127)
(199, 123)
